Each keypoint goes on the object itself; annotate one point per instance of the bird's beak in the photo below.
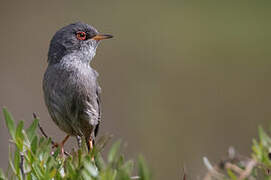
(99, 37)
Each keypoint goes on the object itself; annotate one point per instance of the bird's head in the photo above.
(78, 39)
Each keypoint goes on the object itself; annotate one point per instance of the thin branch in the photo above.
(22, 164)
(184, 174)
(212, 170)
(234, 167)
(248, 169)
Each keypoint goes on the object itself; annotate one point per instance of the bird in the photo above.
(70, 86)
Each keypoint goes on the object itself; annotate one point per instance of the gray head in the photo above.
(79, 39)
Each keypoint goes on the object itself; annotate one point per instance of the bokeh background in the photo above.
(180, 80)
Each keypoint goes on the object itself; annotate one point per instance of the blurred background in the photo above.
(180, 80)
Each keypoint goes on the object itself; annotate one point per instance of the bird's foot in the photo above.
(61, 145)
(56, 145)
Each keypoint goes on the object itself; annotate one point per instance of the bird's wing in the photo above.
(98, 92)
(85, 108)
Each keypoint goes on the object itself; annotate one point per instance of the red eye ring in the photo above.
(81, 35)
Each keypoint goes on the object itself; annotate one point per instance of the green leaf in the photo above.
(71, 169)
(128, 166)
(120, 161)
(144, 173)
(41, 163)
(264, 138)
(113, 151)
(37, 172)
(52, 173)
(26, 140)
(79, 157)
(34, 144)
(86, 176)
(10, 161)
(56, 152)
(31, 131)
(92, 170)
(17, 161)
(9, 122)
(2, 175)
(19, 138)
(19, 129)
(99, 161)
(232, 175)
(122, 175)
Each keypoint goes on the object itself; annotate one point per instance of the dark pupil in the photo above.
(82, 34)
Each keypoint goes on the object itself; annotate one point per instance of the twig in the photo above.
(234, 168)
(46, 136)
(248, 169)
(184, 173)
(231, 163)
(22, 164)
(212, 170)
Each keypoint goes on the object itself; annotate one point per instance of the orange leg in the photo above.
(91, 147)
(62, 144)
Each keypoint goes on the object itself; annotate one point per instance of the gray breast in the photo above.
(71, 98)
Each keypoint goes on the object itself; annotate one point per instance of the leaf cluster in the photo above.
(238, 167)
(31, 158)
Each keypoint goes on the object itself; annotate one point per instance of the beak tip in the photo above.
(108, 36)
(102, 36)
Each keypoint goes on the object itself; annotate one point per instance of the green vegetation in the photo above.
(238, 167)
(33, 159)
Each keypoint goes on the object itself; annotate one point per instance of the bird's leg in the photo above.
(90, 147)
(62, 144)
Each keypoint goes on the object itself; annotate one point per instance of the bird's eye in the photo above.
(81, 35)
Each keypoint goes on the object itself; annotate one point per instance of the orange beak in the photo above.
(99, 37)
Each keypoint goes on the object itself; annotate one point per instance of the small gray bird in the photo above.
(71, 90)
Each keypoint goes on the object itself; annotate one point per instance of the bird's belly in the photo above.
(59, 113)
(59, 94)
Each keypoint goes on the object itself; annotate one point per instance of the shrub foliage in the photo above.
(31, 158)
